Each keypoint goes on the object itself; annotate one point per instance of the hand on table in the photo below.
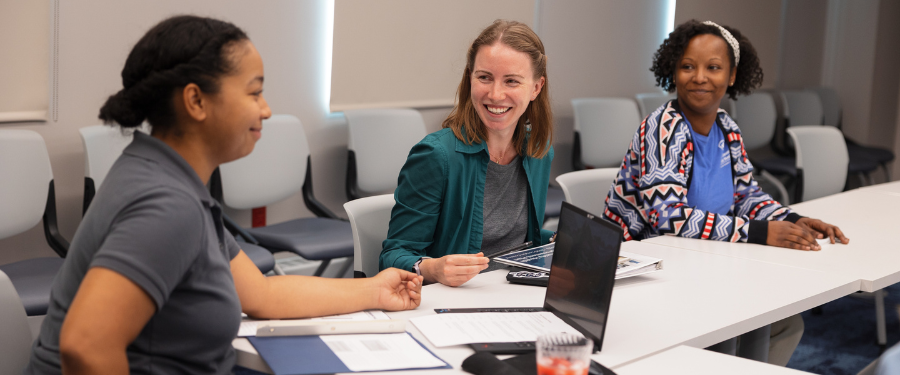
(454, 269)
(821, 229)
(790, 235)
(397, 289)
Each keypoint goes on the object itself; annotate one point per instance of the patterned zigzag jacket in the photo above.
(649, 196)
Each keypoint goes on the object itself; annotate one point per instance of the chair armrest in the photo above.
(309, 198)
(56, 241)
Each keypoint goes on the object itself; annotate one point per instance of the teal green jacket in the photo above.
(440, 197)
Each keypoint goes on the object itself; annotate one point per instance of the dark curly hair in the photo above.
(177, 51)
(749, 75)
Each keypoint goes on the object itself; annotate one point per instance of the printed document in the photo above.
(467, 328)
(248, 327)
(378, 352)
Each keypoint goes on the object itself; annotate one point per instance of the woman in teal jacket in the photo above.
(479, 185)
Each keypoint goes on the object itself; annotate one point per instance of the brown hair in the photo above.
(464, 119)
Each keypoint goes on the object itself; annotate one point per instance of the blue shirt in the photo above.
(711, 188)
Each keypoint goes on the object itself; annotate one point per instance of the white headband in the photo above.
(730, 39)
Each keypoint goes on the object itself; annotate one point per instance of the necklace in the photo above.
(502, 155)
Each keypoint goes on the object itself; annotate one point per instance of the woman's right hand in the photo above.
(790, 235)
(453, 269)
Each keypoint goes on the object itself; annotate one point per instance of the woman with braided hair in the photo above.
(686, 172)
(152, 282)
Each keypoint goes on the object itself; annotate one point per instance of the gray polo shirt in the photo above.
(155, 223)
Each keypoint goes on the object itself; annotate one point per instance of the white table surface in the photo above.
(887, 187)
(866, 217)
(698, 299)
(685, 360)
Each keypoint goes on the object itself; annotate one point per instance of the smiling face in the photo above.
(503, 85)
(239, 107)
(703, 75)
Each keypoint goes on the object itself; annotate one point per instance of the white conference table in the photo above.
(685, 360)
(866, 216)
(887, 187)
(698, 300)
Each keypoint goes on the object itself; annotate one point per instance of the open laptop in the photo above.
(582, 274)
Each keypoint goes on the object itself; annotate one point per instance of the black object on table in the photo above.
(484, 363)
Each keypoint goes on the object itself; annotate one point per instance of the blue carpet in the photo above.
(842, 341)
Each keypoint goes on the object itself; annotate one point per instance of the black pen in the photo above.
(514, 248)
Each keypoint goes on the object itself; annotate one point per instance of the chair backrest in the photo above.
(380, 140)
(605, 127)
(587, 189)
(804, 107)
(369, 219)
(758, 118)
(650, 101)
(102, 146)
(821, 160)
(275, 170)
(25, 178)
(831, 105)
(15, 347)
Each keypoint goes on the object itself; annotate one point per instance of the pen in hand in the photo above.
(514, 248)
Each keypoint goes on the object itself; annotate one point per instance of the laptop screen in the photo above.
(583, 271)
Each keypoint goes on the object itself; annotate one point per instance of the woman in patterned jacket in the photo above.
(686, 172)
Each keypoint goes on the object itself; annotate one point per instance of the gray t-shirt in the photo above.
(154, 222)
(505, 208)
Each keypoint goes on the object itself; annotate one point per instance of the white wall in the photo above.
(759, 21)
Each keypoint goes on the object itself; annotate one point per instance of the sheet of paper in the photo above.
(467, 328)
(248, 327)
(377, 352)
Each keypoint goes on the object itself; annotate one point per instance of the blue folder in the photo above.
(302, 355)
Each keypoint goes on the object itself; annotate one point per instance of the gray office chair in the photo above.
(27, 197)
(588, 189)
(378, 144)
(650, 101)
(821, 160)
(102, 147)
(805, 108)
(279, 167)
(603, 130)
(369, 218)
(15, 347)
(757, 126)
(831, 104)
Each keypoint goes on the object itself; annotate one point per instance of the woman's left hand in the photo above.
(397, 289)
(822, 229)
